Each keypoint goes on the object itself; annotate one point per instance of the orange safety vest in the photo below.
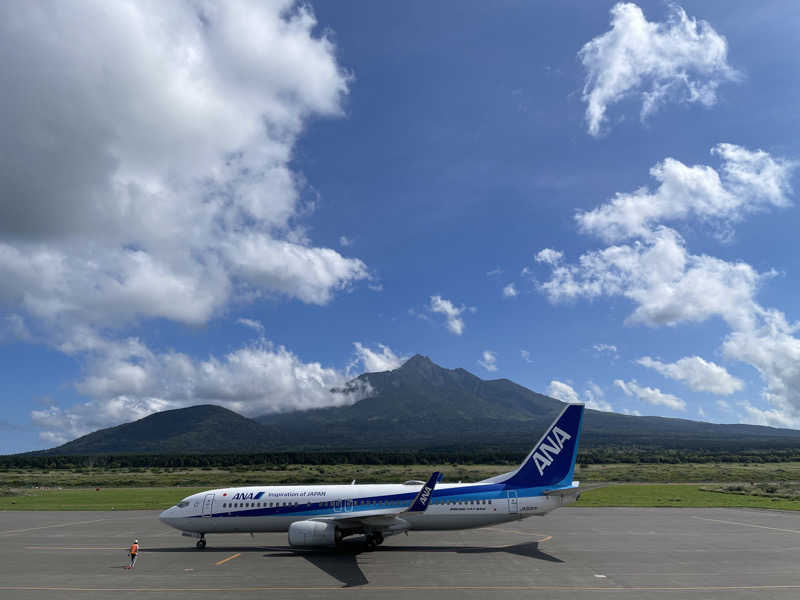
(134, 548)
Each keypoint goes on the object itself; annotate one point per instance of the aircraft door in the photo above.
(513, 502)
(208, 501)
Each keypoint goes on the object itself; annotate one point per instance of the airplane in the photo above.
(319, 516)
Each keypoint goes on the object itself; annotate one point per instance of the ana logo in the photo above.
(423, 497)
(247, 496)
(552, 445)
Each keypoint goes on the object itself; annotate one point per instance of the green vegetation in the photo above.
(678, 495)
(156, 498)
(91, 499)
(691, 472)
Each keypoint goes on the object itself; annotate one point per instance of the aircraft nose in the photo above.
(168, 516)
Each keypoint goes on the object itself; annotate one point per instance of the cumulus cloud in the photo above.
(376, 361)
(594, 396)
(126, 380)
(562, 391)
(667, 285)
(146, 173)
(650, 395)
(510, 291)
(488, 361)
(699, 374)
(749, 181)
(549, 256)
(680, 60)
(178, 121)
(774, 350)
(451, 312)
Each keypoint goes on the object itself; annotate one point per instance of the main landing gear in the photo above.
(373, 541)
(201, 543)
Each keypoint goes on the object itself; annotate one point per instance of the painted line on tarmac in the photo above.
(224, 560)
(52, 526)
(747, 525)
(420, 588)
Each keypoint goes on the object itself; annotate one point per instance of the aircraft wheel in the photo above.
(201, 544)
(370, 543)
(378, 537)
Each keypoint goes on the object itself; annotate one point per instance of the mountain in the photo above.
(419, 405)
(197, 429)
(422, 405)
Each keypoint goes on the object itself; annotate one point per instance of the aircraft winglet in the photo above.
(425, 494)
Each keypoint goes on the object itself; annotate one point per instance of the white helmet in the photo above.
(135, 541)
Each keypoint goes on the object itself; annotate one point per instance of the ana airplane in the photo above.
(321, 515)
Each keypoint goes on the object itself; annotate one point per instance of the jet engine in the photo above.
(313, 533)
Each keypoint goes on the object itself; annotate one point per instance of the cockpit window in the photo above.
(183, 504)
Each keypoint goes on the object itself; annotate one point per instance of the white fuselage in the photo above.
(272, 509)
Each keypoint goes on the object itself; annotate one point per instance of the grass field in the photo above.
(687, 495)
(208, 478)
(761, 485)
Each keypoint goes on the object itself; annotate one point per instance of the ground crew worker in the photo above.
(133, 552)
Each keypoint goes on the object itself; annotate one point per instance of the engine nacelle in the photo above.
(313, 533)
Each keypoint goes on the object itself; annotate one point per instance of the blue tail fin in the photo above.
(552, 460)
(424, 496)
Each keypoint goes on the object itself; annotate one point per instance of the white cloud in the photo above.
(749, 181)
(494, 272)
(252, 324)
(609, 348)
(723, 405)
(451, 312)
(774, 351)
(377, 361)
(700, 412)
(126, 381)
(668, 285)
(632, 412)
(526, 356)
(179, 120)
(510, 291)
(562, 391)
(650, 395)
(488, 361)
(699, 374)
(549, 256)
(680, 60)
(345, 242)
(595, 398)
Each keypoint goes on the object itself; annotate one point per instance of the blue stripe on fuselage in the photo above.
(370, 503)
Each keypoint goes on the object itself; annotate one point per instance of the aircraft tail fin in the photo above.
(552, 460)
(424, 496)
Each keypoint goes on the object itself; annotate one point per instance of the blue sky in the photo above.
(250, 204)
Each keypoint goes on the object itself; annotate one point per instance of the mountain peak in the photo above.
(419, 361)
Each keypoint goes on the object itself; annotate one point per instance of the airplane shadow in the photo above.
(342, 563)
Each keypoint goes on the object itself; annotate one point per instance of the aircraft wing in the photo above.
(388, 518)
